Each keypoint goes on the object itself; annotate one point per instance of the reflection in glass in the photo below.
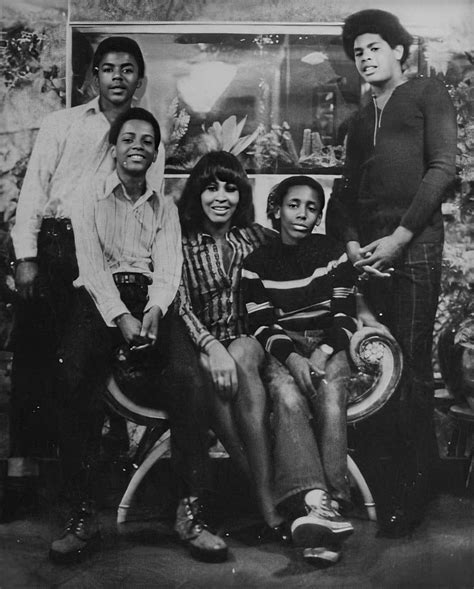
(280, 102)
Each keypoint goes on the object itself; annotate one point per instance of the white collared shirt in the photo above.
(114, 234)
(72, 144)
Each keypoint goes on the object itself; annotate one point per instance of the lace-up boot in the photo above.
(194, 533)
(80, 537)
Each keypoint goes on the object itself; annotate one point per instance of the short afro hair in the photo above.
(134, 114)
(377, 22)
(278, 193)
(119, 45)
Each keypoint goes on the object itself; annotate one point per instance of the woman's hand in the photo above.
(222, 369)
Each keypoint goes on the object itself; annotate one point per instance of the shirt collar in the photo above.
(234, 234)
(93, 105)
(113, 181)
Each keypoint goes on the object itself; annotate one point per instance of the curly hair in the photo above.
(216, 165)
(378, 22)
(278, 193)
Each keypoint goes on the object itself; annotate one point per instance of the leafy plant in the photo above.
(182, 155)
(228, 135)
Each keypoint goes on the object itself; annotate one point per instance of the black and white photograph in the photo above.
(236, 279)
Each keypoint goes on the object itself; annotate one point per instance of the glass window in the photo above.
(279, 99)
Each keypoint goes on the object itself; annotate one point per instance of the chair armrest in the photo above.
(378, 359)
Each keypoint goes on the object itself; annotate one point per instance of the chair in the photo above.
(379, 363)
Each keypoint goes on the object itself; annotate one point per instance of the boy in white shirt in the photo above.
(128, 244)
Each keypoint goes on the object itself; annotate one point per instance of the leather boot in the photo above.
(194, 533)
(80, 538)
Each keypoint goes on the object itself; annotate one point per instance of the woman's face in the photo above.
(219, 202)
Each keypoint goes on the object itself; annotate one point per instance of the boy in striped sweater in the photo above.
(300, 297)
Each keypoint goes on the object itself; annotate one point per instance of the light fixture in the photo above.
(204, 84)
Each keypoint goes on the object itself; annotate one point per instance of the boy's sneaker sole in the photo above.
(321, 556)
(308, 531)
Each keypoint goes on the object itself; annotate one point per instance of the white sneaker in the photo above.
(323, 524)
(321, 556)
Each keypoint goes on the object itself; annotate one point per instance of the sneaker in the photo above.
(80, 538)
(322, 556)
(193, 532)
(322, 525)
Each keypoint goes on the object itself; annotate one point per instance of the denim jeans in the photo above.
(38, 326)
(403, 431)
(310, 442)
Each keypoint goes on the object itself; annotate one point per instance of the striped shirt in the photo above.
(114, 234)
(71, 145)
(299, 288)
(210, 299)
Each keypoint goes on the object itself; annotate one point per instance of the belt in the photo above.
(131, 278)
(50, 223)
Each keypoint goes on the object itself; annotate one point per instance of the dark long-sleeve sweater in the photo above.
(399, 163)
(308, 286)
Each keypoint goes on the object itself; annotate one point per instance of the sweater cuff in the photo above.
(282, 348)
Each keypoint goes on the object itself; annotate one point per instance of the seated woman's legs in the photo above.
(330, 409)
(251, 413)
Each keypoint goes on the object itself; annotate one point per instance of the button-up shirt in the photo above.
(72, 144)
(114, 234)
(210, 299)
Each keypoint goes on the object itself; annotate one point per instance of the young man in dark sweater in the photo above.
(400, 160)
(301, 302)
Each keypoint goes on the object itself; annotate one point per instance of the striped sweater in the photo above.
(309, 286)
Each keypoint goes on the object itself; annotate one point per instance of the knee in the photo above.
(289, 402)
(247, 354)
(338, 367)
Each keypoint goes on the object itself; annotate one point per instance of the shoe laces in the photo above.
(324, 508)
(335, 507)
(76, 521)
(193, 511)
